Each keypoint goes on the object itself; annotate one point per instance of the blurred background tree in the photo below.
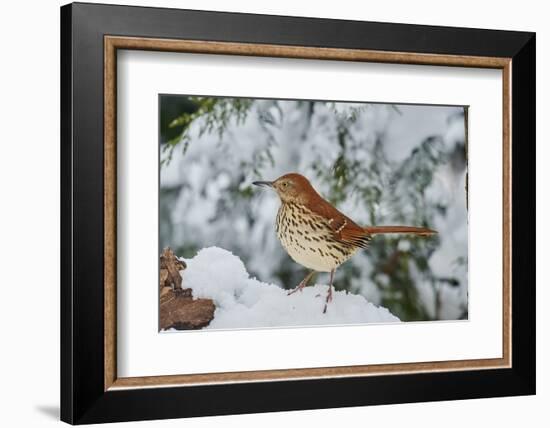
(379, 163)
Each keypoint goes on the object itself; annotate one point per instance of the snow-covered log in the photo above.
(245, 302)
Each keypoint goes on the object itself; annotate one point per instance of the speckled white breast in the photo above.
(308, 239)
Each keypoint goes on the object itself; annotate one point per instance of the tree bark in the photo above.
(178, 309)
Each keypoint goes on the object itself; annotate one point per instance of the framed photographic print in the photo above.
(264, 213)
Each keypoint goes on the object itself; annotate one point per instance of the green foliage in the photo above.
(213, 114)
(370, 182)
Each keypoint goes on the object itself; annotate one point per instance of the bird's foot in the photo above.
(298, 288)
(301, 284)
(328, 300)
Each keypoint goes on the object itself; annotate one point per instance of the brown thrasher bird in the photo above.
(315, 234)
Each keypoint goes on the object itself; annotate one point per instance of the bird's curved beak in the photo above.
(263, 183)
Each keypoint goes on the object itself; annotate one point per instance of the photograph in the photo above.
(293, 213)
(338, 212)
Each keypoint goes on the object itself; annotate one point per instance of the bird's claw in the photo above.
(299, 288)
(328, 299)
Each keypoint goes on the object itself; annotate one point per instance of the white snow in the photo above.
(245, 302)
(202, 210)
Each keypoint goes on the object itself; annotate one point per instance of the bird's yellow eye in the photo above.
(285, 184)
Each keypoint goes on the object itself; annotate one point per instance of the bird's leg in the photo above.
(302, 284)
(329, 294)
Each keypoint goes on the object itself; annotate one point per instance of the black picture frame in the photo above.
(83, 398)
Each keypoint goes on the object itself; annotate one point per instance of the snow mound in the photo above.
(244, 302)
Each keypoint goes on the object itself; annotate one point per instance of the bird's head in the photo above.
(290, 187)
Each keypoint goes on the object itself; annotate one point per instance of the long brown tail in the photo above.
(422, 231)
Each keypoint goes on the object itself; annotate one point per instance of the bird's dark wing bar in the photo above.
(348, 233)
(337, 224)
(354, 238)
